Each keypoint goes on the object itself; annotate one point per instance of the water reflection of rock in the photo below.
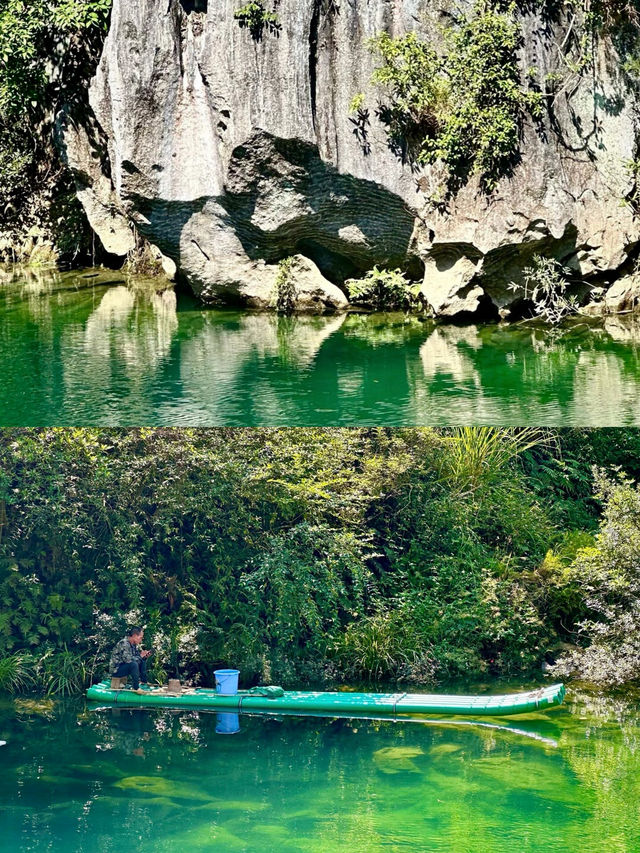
(520, 375)
(115, 355)
(134, 328)
(445, 352)
(625, 329)
(453, 392)
(606, 391)
(218, 363)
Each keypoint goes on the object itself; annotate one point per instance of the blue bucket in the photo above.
(227, 681)
(227, 724)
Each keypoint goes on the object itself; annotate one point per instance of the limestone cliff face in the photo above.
(231, 152)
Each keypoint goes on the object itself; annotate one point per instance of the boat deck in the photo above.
(336, 703)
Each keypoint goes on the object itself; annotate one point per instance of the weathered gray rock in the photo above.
(230, 153)
(623, 295)
(94, 188)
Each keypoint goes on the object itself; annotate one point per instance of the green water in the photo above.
(75, 779)
(77, 350)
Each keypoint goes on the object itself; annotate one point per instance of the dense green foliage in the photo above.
(301, 554)
(384, 290)
(608, 579)
(256, 18)
(48, 50)
(463, 106)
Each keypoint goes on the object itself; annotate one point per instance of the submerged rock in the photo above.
(231, 149)
(397, 759)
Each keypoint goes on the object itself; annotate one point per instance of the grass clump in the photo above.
(17, 672)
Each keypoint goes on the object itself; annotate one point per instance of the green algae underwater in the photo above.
(103, 349)
(76, 778)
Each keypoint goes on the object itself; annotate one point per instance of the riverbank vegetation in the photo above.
(311, 555)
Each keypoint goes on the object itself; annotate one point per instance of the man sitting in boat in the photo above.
(128, 658)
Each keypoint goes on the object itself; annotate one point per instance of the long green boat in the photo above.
(267, 700)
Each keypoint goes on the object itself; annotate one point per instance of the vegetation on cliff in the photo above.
(318, 554)
(464, 106)
(48, 51)
(463, 103)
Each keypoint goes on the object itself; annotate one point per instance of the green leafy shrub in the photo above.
(608, 578)
(255, 17)
(545, 285)
(464, 107)
(285, 295)
(384, 290)
(303, 588)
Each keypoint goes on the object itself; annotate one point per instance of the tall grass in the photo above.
(63, 673)
(384, 646)
(17, 672)
(478, 456)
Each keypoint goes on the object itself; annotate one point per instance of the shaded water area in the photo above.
(77, 779)
(94, 350)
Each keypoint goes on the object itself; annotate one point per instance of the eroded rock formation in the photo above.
(231, 150)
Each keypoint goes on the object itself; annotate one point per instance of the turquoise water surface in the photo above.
(114, 354)
(75, 779)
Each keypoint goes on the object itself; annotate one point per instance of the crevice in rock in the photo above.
(314, 31)
(415, 268)
(199, 247)
(190, 6)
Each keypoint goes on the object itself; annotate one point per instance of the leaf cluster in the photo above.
(464, 106)
(384, 290)
(255, 17)
(545, 286)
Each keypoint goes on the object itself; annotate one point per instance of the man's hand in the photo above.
(144, 654)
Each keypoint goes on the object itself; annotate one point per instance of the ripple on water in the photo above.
(84, 352)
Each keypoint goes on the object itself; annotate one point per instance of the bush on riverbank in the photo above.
(299, 554)
(607, 575)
